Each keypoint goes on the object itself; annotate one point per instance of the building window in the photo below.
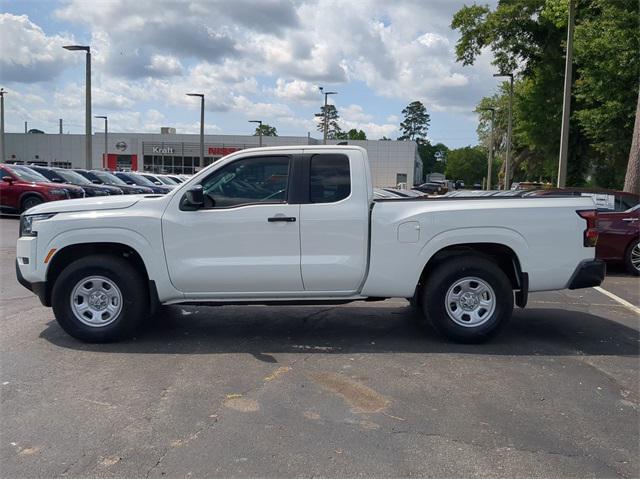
(61, 164)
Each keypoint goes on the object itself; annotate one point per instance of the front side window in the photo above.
(248, 181)
(329, 178)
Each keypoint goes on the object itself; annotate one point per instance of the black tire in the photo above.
(445, 276)
(134, 298)
(30, 202)
(632, 251)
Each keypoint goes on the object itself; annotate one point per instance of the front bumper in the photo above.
(588, 274)
(39, 288)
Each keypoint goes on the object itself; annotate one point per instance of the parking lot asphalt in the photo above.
(347, 391)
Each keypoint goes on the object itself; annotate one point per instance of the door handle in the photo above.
(630, 220)
(285, 219)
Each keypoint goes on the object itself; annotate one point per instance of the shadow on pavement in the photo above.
(260, 331)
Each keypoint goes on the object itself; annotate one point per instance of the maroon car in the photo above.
(22, 188)
(619, 238)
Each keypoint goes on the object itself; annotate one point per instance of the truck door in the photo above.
(334, 222)
(245, 240)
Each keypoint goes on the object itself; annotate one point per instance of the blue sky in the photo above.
(253, 60)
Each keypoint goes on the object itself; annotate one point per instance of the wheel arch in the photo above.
(28, 194)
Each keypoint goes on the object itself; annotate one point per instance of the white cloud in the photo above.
(165, 65)
(28, 54)
(298, 91)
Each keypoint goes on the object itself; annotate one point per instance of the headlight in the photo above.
(27, 221)
(56, 192)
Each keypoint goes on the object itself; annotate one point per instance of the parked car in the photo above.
(99, 177)
(176, 178)
(61, 175)
(619, 238)
(431, 188)
(159, 180)
(605, 200)
(22, 188)
(132, 179)
(245, 230)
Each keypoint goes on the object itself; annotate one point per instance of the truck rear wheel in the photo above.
(100, 298)
(467, 299)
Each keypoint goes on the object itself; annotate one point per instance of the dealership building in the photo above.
(392, 162)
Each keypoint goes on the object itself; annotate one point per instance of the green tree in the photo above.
(528, 36)
(266, 129)
(433, 156)
(352, 134)
(468, 164)
(416, 121)
(334, 132)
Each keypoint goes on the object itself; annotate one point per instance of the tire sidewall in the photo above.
(438, 284)
(130, 283)
(627, 258)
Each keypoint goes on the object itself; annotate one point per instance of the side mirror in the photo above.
(57, 180)
(96, 182)
(193, 199)
(129, 182)
(159, 183)
(7, 179)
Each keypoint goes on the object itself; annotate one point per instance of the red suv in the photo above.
(22, 188)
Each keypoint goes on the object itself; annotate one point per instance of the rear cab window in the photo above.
(329, 178)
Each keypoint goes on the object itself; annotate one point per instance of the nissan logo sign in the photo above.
(121, 146)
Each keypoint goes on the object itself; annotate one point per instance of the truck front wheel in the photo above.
(100, 298)
(467, 299)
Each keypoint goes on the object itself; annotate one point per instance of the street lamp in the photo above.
(106, 131)
(325, 121)
(259, 122)
(507, 168)
(87, 117)
(2, 148)
(493, 119)
(201, 96)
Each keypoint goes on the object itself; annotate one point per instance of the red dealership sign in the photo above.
(222, 150)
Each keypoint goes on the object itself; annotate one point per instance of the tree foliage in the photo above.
(433, 156)
(416, 121)
(333, 128)
(266, 129)
(352, 134)
(468, 164)
(528, 36)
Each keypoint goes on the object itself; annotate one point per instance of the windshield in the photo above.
(27, 174)
(108, 178)
(140, 180)
(73, 177)
(167, 181)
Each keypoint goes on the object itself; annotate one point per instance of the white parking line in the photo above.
(618, 299)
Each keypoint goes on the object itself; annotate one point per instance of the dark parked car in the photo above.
(136, 179)
(60, 175)
(431, 188)
(99, 177)
(22, 188)
(159, 180)
(605, 200)
(619, 238)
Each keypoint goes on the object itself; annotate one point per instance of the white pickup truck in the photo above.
(300, 225)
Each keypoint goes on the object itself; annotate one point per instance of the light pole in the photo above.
(201, 96)
(106, 131)
(566, 101)
(493, 119)
(87, 115)
(259, 122)
(507, 167)
(325, 121)
(2, 148)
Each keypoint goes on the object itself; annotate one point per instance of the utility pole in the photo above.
(87, 112)
(201, 96)
(566, 101)
(490, 166)
(25, 128)
(259, 122)
(60, 125)
(507, 163)
(326, 120)
(3, 147)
